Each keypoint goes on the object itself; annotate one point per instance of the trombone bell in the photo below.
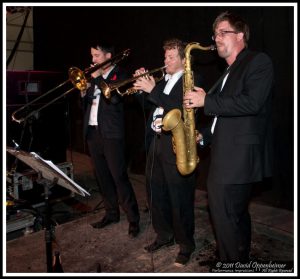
(79, 81)
(77, 78)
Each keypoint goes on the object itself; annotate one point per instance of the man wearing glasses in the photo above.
(241, 146)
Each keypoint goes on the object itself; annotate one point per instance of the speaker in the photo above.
(45, 133)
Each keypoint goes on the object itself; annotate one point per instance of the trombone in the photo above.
(106, 89)
(78, 79)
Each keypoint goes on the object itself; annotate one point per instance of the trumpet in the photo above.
(106, 89)
(76, 76)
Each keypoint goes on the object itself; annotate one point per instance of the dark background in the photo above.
(62, 37)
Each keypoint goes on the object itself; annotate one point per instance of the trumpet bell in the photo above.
(77, 77)
(105, 89)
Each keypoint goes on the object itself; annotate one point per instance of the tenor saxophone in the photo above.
(184, 131)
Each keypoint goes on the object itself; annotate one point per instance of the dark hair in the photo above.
(175, 43)
(104, 46)
(238, 24)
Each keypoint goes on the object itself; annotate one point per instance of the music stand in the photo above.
(48, 175)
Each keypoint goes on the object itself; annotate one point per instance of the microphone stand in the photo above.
(51, 175)
(49, 229)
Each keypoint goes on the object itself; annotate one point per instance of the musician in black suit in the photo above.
(104, 133)
(241, 147)
(170, 194)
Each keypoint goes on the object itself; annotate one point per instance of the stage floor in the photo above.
(87, 250)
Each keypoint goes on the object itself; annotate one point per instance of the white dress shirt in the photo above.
(93, 120)
(216, 117)
(157, 115)
(172, 79)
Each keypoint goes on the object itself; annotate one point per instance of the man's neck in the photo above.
(178, 71)
(107, 73)
(230, 60)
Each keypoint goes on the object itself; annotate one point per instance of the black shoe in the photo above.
(182, 259)
(133, 229)
(104, 222)
(157, 245)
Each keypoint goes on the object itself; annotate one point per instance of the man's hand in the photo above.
(97, 73)
(195, 98)
(145, 83)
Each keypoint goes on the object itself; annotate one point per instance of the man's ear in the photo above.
(108, 55)
(240, 36)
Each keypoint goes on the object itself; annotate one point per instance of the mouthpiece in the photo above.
(213, 47)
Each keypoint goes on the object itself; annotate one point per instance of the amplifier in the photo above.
(22, 187)
(19, 221)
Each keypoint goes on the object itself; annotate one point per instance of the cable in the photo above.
(18, 38)
(150, 191)
(148, 177)
(152, 158)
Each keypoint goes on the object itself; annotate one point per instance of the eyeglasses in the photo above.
(222, 34)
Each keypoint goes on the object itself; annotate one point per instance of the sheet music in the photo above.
(60, 181)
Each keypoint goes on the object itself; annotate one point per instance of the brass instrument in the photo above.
(106, 89)
(184, 131)
(76, 76)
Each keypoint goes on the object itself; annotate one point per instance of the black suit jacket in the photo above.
(169, 102)
(110, 111)
(241, 149)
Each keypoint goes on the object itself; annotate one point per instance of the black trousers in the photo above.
(228, 206)
(110, 167)
(171, 199)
